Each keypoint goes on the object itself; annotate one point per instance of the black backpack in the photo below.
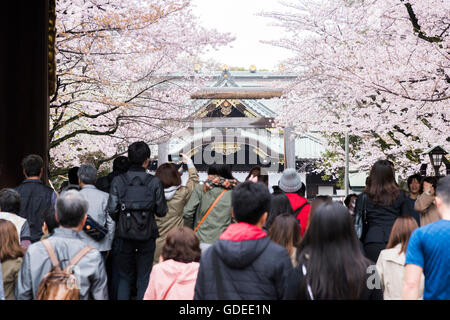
(137, 205)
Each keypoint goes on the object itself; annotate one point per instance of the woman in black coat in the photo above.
(330, 263)
(385, 201)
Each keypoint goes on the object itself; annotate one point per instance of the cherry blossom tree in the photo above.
(124, 72)
(377, 69)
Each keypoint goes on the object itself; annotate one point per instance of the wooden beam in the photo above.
(237, 93)
(233, 123)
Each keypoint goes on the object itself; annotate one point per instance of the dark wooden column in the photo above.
(23, 86)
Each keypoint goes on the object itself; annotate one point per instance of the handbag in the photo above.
(361, 218)
(95, 230)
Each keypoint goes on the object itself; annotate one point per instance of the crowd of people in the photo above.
(135, 235)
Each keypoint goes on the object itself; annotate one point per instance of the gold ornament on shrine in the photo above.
(226, 148)
(226, 108)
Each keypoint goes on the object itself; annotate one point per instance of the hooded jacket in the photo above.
(176, 197)
(172, 280)
(250, 266)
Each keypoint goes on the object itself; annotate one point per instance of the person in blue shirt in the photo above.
(429, 252)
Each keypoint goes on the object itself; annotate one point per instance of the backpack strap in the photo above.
(297, 211)
(125, 179)
(77, 258)
(210, 209)
(51, 254)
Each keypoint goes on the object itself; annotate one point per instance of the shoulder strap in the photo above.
(210, 209)
(125, 178)
(296, 212)
(77, 258)
(364, 206)
(51, 254)
(304, 271)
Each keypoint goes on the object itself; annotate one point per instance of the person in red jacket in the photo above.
(291, 183)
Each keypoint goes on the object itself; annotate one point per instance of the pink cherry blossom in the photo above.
(379, 70)
(115, 66)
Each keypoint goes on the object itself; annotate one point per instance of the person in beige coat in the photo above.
(176, 196)
(391, 262)
(425, 202)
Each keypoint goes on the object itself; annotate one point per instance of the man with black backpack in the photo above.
(135, 198)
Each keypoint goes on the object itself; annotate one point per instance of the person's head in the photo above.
(87, 174)
(414, 183)
(71, 209)
(336, 268)
(73, 175)
(431, 180)
(169, 175)
(317, 202)
(181, 245)
(290, 181)
(285, 230)
(251, 203)
(279, 204)
(257, 172)
(121, 164)
(221, 170)
(442, 198)
(9, 239)
(401, 231)
(32, 166)
(302, 191)
(349, 200)
(139, 154)
(382, 188)
(9, 201)
(50, 222)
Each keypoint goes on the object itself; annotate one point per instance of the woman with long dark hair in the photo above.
(330, 262)
(285, 231)
(384, 202)
(279, 204)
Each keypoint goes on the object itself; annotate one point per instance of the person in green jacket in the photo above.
(209, 218)
(176, 196)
